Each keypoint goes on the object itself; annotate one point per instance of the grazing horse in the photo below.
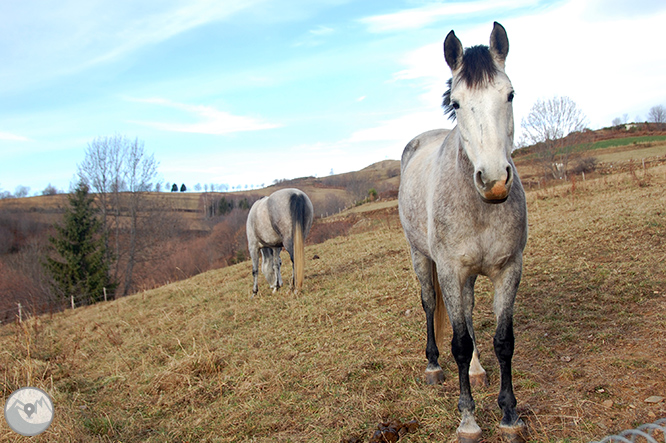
(282, 219)
(463, 211)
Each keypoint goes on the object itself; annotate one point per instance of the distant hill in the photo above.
(328, 194)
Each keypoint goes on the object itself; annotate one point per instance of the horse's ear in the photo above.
(453, 51)
(499, 44)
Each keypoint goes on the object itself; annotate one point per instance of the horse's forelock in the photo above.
(478, 68)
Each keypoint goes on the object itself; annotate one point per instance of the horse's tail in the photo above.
(298, 209)
(441, 319)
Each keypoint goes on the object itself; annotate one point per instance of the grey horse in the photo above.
(463, 211)
(282, 219)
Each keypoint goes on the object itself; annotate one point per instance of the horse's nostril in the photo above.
(479, 178)
(509, 175)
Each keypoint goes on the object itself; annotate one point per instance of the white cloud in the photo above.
(401, 129)
(590, 60)
(13, 137)
(161, 26)
(63, 38)
(211, 120)
(321, 30)
(425, 15)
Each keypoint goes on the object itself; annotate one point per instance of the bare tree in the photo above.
(101, 170)
(549, 126)
(50, 190)
(141, 170)
(657, 114)
(119, 172)
(21, 191)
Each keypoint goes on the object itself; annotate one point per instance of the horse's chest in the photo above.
(483, 246)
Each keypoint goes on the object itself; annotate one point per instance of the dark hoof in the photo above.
(468, 437)
(514, 434)
(435, 377)
(478, 380)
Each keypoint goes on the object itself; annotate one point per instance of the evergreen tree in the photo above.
(174, 188)
(81, 269)
(183, 188)
(244, 204)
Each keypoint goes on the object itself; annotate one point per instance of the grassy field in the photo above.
(627, 141)
(200, 360)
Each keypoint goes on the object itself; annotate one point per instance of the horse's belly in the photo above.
(270, 239)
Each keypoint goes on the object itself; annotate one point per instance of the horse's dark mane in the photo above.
(446, 102)
(478, 67)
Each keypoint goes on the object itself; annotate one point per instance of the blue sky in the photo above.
(244, 92)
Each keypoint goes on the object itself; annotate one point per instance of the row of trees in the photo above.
(656, 114)
(24, 191)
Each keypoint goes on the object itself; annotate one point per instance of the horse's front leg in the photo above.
(506, 286)
(462, 348)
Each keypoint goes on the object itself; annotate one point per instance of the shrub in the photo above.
(585, 165)
(320, 232)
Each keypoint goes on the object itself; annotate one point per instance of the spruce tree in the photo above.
(81, 269)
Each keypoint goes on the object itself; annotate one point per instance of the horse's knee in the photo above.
(462, 347)
(504, 341)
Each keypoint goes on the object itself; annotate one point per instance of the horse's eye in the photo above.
(511, 94)
(455, 105)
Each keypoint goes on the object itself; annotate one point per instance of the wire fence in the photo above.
(650, 433)
(23, 310)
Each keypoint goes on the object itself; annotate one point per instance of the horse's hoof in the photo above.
(515, 433)
(478, 380)
(468, 437)
(434, 377)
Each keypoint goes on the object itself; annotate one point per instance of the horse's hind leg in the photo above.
(277, 265)
(254, 255)
(289, 247)
(477, 375)
(423, 267)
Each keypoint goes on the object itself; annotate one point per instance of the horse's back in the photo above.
(432, 138)
(259, 227)
(416, 169)
(286, 206)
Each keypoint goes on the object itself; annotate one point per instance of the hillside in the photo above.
(200, 360)
(341, 189)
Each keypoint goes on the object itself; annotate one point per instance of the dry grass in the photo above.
(200, 360)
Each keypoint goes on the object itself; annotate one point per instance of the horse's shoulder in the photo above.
(426, 138)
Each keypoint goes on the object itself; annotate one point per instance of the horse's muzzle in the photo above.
(494, 191)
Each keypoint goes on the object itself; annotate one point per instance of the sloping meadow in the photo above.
(201, 360)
